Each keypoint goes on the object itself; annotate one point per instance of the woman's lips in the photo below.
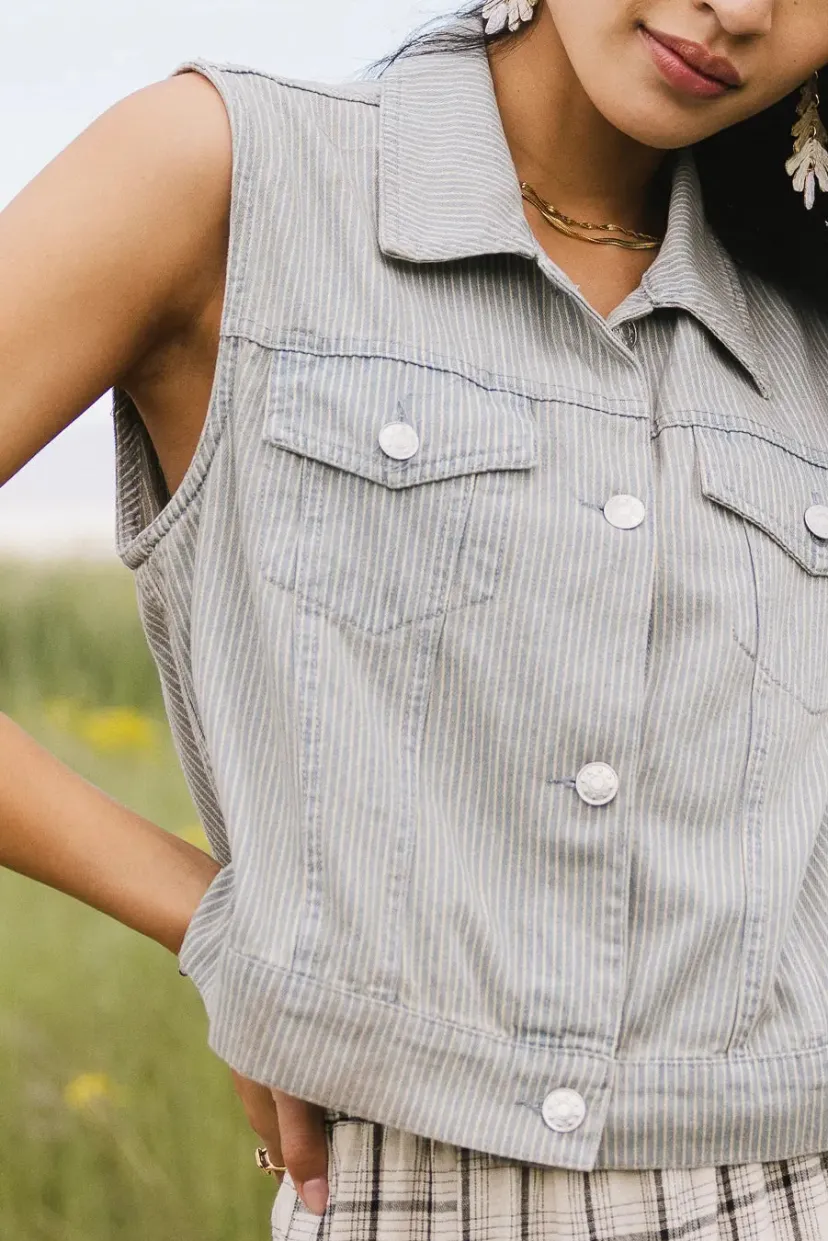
(689, 67)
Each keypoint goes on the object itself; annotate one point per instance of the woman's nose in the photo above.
(742, 18)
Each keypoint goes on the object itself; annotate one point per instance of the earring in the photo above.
(499, 13)
(808, 166)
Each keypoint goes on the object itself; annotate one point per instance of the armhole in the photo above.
(144, 509)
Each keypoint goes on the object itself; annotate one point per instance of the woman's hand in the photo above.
(294, 1133)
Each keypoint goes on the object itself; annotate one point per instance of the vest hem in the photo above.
(387, 1064)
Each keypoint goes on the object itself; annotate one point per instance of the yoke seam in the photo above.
(437, 363)
(794, 447)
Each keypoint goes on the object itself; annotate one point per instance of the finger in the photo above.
(260, 1107)
(304, 1148)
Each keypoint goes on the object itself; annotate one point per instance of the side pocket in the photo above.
(206, 935)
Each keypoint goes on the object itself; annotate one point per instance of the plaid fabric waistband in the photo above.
(387, 1185)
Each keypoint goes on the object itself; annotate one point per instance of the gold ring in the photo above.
(263, 1162)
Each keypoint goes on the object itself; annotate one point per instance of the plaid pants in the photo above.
(387, 1185)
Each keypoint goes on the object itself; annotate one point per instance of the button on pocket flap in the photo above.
(783, 493)
(396, 423)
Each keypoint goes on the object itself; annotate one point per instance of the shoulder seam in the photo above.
(327, 91)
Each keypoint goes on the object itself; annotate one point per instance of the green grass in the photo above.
(72, 630)
(161, 1151)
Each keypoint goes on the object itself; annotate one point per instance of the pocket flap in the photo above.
(333, 409)
(770, 486)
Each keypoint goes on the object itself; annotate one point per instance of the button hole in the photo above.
(531, 1104)
(569, 783)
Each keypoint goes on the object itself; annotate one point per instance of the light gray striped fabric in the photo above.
(383, 676)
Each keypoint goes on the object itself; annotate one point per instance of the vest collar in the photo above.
(448, 190)
(694, 272)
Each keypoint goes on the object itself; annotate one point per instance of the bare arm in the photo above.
(109, 257)
(57, 828)
(110, 265)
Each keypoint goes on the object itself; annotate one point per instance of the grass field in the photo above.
(116, 1121)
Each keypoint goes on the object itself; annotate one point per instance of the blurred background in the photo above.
(115, 1119)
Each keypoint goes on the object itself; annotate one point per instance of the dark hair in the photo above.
(747, 193)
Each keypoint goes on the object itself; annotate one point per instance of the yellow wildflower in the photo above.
(87, 1089)
(109, 729)
(117, 729)
(194, 835)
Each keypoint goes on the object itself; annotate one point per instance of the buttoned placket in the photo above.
(597, 783)
(691, 274)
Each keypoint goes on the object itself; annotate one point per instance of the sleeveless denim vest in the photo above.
(493, 639)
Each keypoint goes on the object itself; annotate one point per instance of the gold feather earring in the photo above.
(808, 166)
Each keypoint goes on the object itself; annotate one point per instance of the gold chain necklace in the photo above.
(627, 238)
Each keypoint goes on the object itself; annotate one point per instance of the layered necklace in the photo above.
(583, 230)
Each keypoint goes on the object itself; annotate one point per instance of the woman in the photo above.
(477, 497)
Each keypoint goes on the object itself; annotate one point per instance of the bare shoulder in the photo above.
(113, 248)
(180, 123)
(170, 144)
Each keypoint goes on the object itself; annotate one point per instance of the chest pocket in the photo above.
(783, 499)
(389, 487)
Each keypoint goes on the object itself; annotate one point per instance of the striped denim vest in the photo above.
(493, 640)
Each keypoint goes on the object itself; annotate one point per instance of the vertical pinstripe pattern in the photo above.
(383, 677)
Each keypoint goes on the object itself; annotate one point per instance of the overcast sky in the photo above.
(65, 62)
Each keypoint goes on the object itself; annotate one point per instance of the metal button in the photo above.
(563, 1109)
(399, 440)
(816, 519)
(630, 334)
(624, 511)
(596, 783)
